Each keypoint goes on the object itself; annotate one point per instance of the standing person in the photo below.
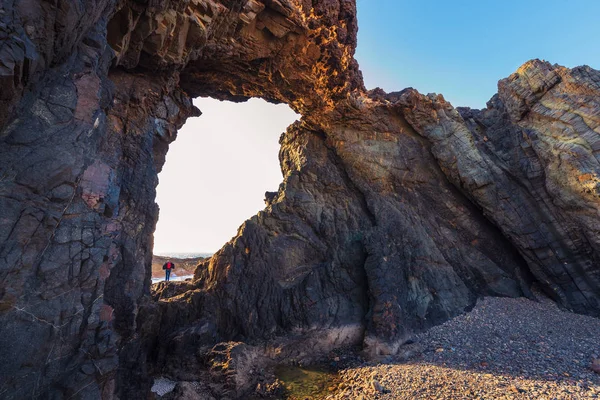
(168, 267)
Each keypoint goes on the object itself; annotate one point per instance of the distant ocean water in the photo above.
(174, 278)
(184, 255)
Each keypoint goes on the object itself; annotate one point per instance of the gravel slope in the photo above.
(503, 349)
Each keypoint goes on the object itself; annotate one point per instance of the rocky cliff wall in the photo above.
(530, 161)
(396, 212)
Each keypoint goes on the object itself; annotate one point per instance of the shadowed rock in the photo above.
(397, 211)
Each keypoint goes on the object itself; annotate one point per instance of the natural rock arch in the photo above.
(222, 169)
(397, 211)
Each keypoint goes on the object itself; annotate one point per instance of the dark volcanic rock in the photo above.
(396, 212)
(530, 161)
(349, 238)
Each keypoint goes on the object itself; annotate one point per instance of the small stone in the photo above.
(375, 385)
(517, 389)
(596, 365)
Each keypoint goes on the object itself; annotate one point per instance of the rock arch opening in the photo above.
(376, 232)
(216, 174)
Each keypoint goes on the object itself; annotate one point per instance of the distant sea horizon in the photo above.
(176, 254)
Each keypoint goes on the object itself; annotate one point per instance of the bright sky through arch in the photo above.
(217, 172)
(222, 163)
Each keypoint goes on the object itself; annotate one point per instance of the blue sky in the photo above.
(222, 163)
(461, 48)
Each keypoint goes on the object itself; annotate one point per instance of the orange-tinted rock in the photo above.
(397, 211)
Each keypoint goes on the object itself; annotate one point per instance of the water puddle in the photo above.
(306, 383)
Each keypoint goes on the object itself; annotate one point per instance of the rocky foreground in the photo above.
(502, 349)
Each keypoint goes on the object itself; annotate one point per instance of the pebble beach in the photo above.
(503, 349)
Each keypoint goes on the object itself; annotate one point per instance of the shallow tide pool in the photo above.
(305, 383)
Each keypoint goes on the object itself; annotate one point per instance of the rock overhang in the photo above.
(396, 213)
(291, 52)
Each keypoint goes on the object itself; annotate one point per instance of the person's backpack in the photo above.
(168, 265)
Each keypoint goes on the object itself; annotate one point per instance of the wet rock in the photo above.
(238, 364)
(274, 389)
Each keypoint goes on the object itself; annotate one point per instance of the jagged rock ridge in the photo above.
(396, 212)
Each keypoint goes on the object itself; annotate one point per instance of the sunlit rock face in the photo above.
(530, 161)
(294, 51)
(397, 211)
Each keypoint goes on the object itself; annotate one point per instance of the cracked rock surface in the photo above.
(397, 211)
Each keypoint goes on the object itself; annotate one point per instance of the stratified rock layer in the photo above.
(396, 212)
(531, 162)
